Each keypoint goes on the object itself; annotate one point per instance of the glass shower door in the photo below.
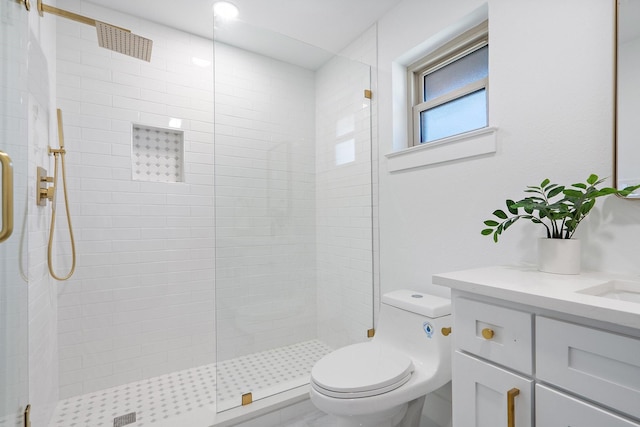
(294, 215)
(13, 172)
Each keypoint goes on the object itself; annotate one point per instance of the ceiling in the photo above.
(290, 27)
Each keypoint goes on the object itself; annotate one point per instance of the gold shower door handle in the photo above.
(7, 196)
(511, 407)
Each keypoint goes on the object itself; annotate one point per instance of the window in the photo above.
(449, 88)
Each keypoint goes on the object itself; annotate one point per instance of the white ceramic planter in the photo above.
(559, 256)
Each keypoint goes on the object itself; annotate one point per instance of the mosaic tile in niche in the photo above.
(157, 154)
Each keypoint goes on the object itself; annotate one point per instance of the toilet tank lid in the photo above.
(418, 302)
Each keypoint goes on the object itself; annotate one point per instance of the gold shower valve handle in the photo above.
(446, 331)
(44, 192)
(488, 333)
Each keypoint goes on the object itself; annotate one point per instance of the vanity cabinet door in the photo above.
(601, 366)
(482, 394)
(556, 409)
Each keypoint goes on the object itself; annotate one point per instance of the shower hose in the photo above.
(61, 152)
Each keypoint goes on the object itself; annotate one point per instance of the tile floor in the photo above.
(156, 400)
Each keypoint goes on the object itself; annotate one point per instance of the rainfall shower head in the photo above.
(123, 41)
(110, 37)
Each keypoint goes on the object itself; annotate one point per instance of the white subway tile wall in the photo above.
(141, 302)
(265, 203)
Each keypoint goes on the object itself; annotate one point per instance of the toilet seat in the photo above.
(361, 370)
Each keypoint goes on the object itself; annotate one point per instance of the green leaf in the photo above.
(555, 192)
(500, 214)
(580, 185)
(587, 207)
(491, 223)
(487, 231)
(630, 189)
(495, 237)
(593, 178)
(512, 209)
(544, 183)
(508, 222)
(573, 193)
(605, 191)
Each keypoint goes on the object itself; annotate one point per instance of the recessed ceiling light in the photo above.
(225, 10)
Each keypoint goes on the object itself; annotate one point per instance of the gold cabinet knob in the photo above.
(446, 331)
(487, 333)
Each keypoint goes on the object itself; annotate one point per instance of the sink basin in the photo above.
(622, 290)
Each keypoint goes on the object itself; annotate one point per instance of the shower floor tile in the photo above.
(267, 372)
(158, 399)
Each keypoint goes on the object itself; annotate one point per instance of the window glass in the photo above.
(460, 115)
(449, 87)
(468, 69)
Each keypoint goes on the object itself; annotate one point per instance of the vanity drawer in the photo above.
(601, 366)
(495, 333)
(555, 409)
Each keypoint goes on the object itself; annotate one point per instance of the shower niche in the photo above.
(157, 154)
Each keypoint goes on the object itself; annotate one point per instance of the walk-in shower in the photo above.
(223, 197)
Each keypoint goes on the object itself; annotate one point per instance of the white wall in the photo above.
(551, 100)
(141, 302)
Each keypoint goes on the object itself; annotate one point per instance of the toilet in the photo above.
(383, 382)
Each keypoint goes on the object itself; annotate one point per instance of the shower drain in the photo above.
(124, 420)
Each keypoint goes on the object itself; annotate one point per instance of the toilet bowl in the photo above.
(383, 382)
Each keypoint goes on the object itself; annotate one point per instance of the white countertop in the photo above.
(526, 285)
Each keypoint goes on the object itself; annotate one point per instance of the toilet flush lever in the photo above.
(446, 331)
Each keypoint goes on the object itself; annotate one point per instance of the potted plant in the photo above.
(559, 210)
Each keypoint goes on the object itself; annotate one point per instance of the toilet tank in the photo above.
(412, 322)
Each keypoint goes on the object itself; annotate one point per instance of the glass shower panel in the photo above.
(293, 210)
(13, 196)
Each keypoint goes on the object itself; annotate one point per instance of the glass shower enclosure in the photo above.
(14, 376)
(294, 173)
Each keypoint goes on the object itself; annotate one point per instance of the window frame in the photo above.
(468, 42)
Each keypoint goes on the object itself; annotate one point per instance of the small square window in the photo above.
(449, 88)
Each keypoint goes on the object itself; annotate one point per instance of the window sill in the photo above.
(465, 145)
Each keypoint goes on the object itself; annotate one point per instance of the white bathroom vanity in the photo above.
(545, 350)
